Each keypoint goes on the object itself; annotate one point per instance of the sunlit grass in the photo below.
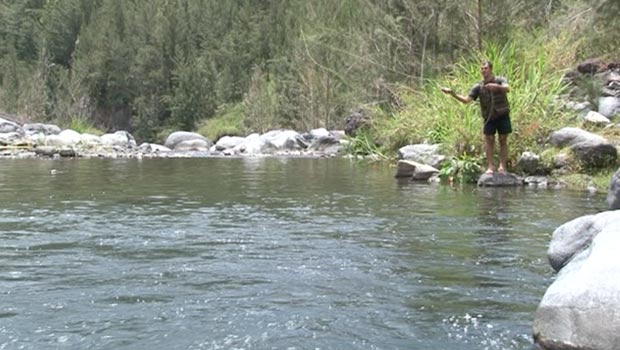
(598, 181)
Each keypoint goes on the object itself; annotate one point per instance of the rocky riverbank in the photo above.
(567, 146)
(47, 140)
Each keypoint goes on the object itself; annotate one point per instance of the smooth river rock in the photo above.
(498, 179)
(581, 308)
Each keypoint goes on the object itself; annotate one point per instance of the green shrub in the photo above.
(82, 125)
(229, 121)
(261, 103)
(598, 181)
(465, 169)
(363, 144)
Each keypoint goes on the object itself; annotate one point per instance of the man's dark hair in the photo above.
(488, 63)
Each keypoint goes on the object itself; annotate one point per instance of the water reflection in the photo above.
(494, 208)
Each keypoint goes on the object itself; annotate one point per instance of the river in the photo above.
(268, 253)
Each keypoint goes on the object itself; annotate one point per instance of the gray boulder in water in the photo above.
(423, 153)
(415, 170)
(7, 126)
(579, 311)
(498, 179)
(178, 137)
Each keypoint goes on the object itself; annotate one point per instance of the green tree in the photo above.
(150, 65)
(104, 57)
(190, 100)
(62, 22)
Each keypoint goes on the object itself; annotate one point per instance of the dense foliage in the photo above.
(238, 66)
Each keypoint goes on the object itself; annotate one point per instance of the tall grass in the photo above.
(83, 125)
(533, 67)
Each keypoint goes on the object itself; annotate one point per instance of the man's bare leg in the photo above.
(490, 149)
(503, 152)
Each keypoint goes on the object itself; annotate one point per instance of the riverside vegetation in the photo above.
(239, 67)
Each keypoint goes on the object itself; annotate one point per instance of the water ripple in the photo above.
(267, 254)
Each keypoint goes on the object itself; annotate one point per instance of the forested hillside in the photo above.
(153, 65)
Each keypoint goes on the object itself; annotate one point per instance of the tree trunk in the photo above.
(480, 25)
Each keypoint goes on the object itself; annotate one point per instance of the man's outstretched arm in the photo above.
(465, 99)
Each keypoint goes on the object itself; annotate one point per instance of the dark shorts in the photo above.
(500, 125)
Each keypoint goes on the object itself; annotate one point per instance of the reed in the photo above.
(533, 66)
(83, 125)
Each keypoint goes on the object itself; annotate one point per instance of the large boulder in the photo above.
(595, 154)
(196, 145)
(567, 137)
(613, 196)
(253, 144)
(228, 142)
(66, 138)
(121, 139)
(282, 140)
(324, 142)
(575, 236)
(90, 140)
(36, 139)
(609, 106)
(579, 311)
(530, 163)
(7, 126)
(592, 150)
(423, 153)
(39, 128)
(51, 151)
(181, 136)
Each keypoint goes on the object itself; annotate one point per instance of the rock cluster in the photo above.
(46, 140)
(603, 76)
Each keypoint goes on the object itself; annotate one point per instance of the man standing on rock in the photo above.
(492, 91)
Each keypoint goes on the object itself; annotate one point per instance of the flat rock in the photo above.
(414, 170)
(499, 180)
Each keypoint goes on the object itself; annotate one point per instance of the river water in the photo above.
(267, 253)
